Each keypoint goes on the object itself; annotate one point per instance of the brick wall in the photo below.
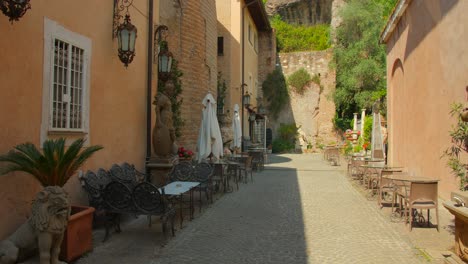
(192, 39)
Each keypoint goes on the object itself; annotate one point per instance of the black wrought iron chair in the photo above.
(144, 199)
(203, 172)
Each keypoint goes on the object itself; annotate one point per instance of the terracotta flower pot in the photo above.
(78, 238)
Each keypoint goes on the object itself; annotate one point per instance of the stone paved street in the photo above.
(312, 214)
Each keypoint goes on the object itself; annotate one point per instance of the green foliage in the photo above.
(368, 120)
(459, 135)
(359, 59)
(348, 148)
(276, 92)
(357, 148)
(176, 102)
(54, 166)
(280, 146)
(286, 140)
(300, 38)
(316, 79)
(342, 123)
(299, 79)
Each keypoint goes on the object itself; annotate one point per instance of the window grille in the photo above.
(67, 87)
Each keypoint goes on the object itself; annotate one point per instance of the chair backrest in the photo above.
(118, 196)
(426, 191)
(202, 172)
(248, 162)
(96, 181)
(148, 199)
(181, 172)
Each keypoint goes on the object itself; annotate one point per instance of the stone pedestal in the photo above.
(159, 168)
(461, 222)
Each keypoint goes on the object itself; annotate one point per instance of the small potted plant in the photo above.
(54, 167)
(184, 154)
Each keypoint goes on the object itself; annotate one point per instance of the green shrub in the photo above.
(316, 78)
(292, 38)
(286, 140)
(288, 132)
(280, 145)
(299, 79)
(342, 123)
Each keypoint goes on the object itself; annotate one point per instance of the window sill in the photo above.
(71, 133)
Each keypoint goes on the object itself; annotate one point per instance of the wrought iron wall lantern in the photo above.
(246, 99)
(164, 56)
(262, 110)
(125, 32)
(253, 116)
(14, 9)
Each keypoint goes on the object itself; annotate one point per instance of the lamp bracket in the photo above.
(119, 7)
(160, 34)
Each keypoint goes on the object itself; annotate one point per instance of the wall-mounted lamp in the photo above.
(163, 54)
(246, 99)
(261, 109)
(14, 9)
(253, 116)
(125, 32)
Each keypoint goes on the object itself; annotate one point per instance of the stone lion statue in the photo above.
(44, 230)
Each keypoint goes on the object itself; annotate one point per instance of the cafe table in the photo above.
(403, 183)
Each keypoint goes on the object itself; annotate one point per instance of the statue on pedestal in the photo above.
(164, 132)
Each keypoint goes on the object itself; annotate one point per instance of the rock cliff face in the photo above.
(304, 12)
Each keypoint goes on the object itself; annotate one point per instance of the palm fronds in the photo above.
(54, 166)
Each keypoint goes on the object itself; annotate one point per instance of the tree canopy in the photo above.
(359, 58)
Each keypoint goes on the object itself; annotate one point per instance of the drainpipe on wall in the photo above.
(149, 80)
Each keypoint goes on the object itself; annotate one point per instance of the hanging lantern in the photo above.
(246, 99)
(14, 9)
(126, 35)
(164, 61)
(252, 116)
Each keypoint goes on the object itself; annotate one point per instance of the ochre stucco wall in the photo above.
(117, 95)
(427, 65)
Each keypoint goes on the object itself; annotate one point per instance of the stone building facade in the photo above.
(426, 73)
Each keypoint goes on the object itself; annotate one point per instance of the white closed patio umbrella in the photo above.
(209, 138)
(236, 127)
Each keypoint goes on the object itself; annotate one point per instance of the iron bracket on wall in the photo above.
(119, 7)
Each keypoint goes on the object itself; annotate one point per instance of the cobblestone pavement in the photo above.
(307, 215)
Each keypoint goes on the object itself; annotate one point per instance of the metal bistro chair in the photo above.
(203, 172)
(423, 195)
(246, 168)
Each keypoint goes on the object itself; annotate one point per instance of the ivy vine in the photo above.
(176, 102)
(275, 91)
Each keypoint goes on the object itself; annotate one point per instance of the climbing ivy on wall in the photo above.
(176, 102)
(276, 93)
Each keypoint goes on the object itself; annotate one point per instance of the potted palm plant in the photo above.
(54, 166)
